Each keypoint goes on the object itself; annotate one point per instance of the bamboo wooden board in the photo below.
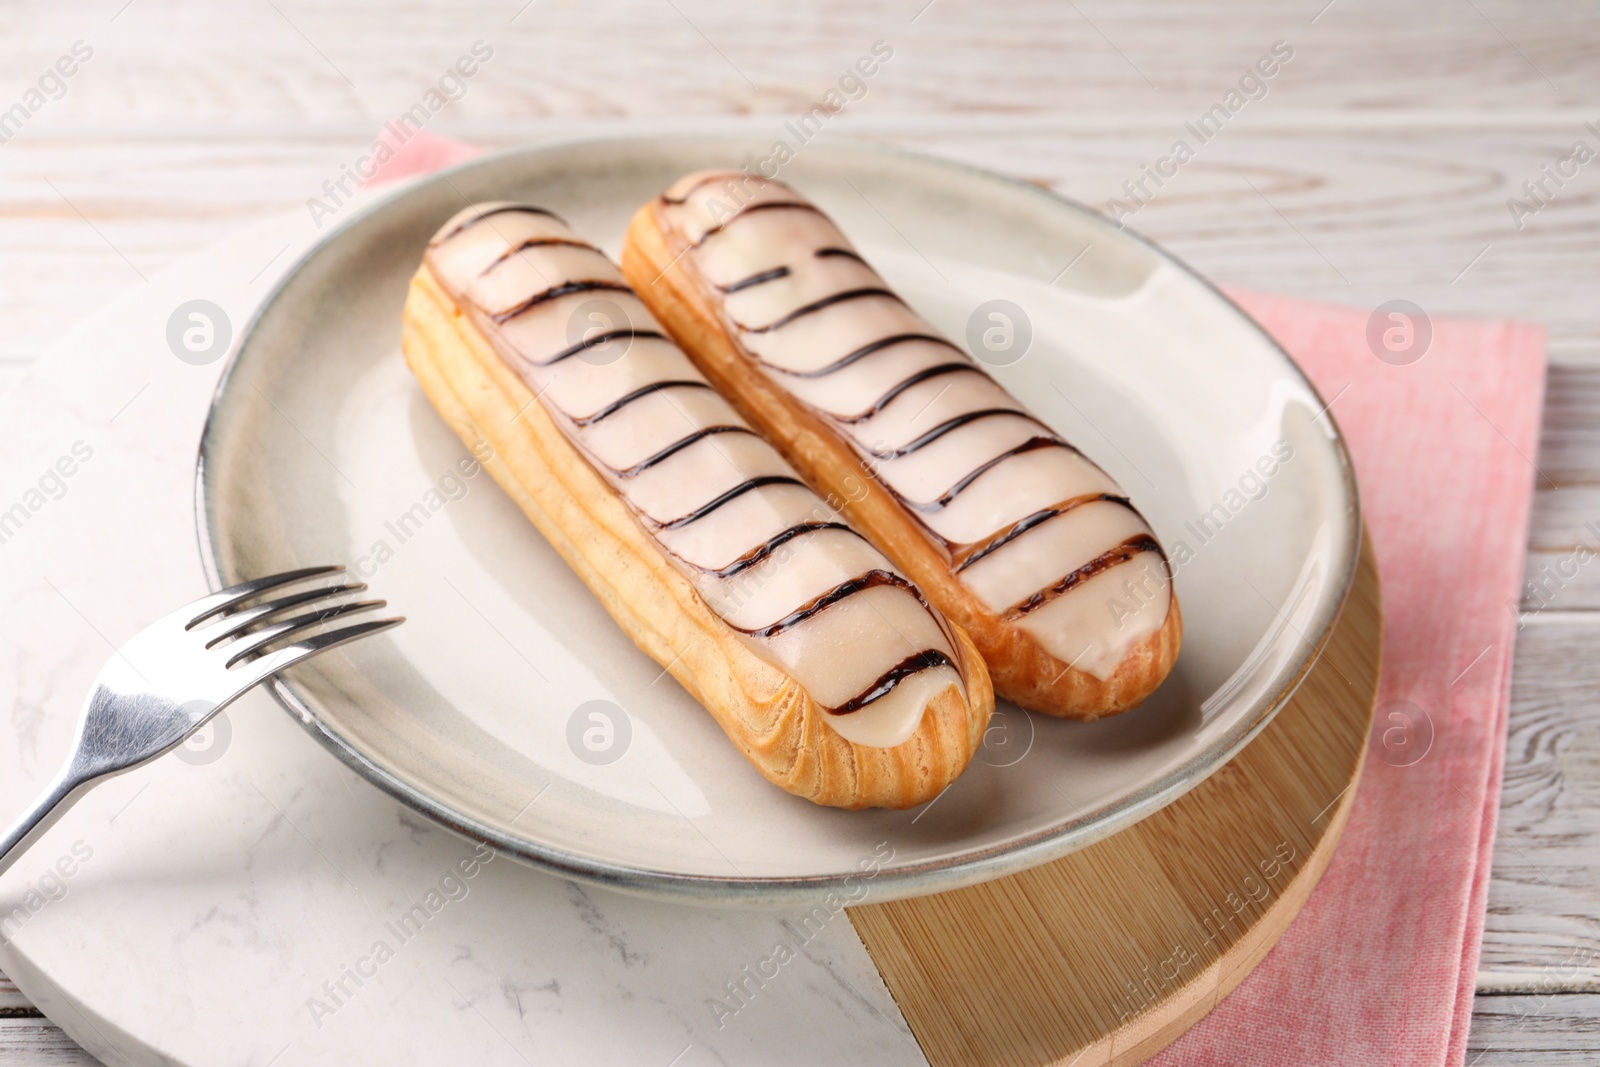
(1106, 956)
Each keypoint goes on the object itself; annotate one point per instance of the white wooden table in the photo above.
(1375, 164)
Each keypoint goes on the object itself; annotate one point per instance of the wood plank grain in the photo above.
(1563, 568)
(12, 1000)
(190, 61)
(1535, 1031)
(39, 1043)
(1543, 927)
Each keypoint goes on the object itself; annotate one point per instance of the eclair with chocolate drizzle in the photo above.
(1013, 533)
(821, 661)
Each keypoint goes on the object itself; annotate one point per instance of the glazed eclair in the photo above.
(1014, 534)
(819, 659)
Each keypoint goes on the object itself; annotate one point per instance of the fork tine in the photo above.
(236, 622)
(273, 662)
(224, 599)
(263, 637)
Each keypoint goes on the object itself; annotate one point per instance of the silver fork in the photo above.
(171, 678)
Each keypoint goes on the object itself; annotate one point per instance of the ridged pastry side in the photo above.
(763, 710)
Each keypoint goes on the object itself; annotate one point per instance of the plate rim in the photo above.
(910, 880)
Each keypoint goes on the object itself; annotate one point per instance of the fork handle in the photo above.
(64, 792)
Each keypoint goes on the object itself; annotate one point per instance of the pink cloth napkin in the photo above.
(1380, 966)
(416, 152)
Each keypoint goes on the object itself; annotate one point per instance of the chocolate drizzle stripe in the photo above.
(737, 491)
(678, 446)
(756, 279)
(600, 339)
(540, 242)
(841, 592)
(818, 305)
(721, 175)
(555, 292)
(634, 394)
(906, 383)
(867, 350)
(756, 555)
(824, 253)
(998, 540)
(1032, 444)
(745, 212)
(503, 209)
(1130, 548)
(925, 660)
(954, 423)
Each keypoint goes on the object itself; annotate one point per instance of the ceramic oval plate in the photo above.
(511, 708)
